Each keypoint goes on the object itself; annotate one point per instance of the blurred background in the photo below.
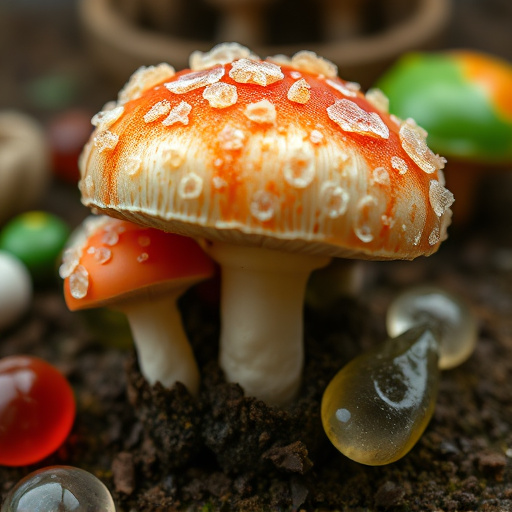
(61, 60)
(51, 57)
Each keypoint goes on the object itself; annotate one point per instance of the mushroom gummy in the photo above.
(59, 488)
(141, 272)
(279, 165)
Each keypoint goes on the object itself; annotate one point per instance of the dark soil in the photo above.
(160, 449)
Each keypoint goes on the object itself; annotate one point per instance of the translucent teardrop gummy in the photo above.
(59, 488)
(377, 406)
(456, 325)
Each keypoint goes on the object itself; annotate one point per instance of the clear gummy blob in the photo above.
(448, 314)
(59, 489)
(376, 408)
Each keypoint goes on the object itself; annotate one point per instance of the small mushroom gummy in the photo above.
(141, 272)
(59, 488)
(273, 162)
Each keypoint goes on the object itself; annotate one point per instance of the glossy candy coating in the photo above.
(59, 488)
(377, 406)
(15, 289)
(37, 410)
(455, 324)
(36, 238)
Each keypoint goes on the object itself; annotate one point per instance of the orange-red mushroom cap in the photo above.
(112, 261)
(278, 153)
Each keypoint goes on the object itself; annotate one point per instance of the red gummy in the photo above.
(67, 134)
(37, 410)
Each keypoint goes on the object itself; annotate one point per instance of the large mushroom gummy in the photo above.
(279, 165)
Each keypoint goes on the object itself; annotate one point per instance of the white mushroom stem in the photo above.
(261, 345)
(163, 350)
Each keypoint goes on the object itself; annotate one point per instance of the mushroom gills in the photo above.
(377, 406)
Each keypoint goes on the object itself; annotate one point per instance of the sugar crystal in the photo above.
(440, 198)
(162, 108)
(102, 255)
(381, 176)
(106, 118)
(223, 53)
(378, 99)
(70, 260)
(144, 78)
(316, 136)
(247, 71)
(220, 95)
(413, 139)
(352, 118)
(178, 114)
(399, 164)
(435, 236)
(263, 112)
(299, 91)
(310, 62)
(110, 237)
(344, 88)
(142, 257)
(195, 80)
(89, 185)
(106, 140)
(231, 138)
(79, 282)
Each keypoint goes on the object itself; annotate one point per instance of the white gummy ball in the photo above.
(15, 289)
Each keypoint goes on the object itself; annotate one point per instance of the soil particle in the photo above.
(388, 495)
(292, 458)
(123, 473)
(492, 465)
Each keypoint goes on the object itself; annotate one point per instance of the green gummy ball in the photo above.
(37, 239)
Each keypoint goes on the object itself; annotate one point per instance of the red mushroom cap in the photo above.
(112, 261)
(278, 153)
